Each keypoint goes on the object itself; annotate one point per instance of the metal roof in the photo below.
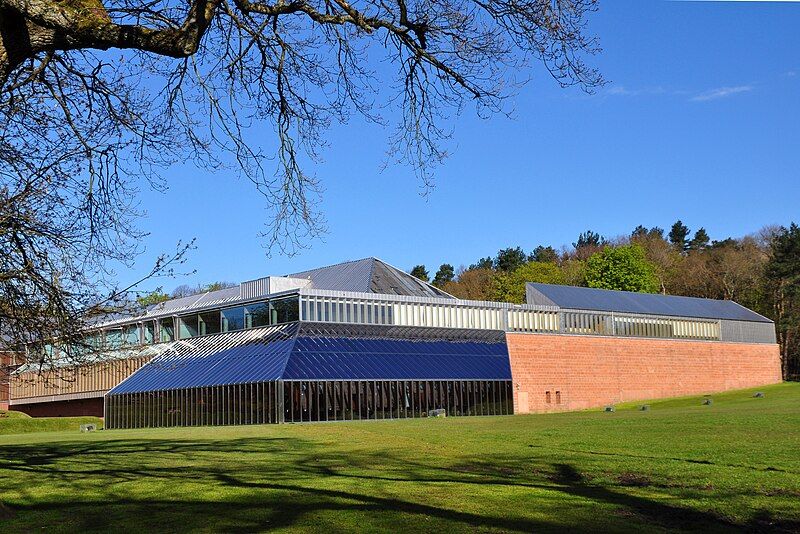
(586, 298)
(346, 358)
(369, 275)
(301, 351)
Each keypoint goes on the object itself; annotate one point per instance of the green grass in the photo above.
(734, 465)
(20, 423)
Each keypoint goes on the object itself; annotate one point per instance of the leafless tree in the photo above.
(98, 97)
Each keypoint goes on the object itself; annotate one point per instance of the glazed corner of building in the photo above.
(567, 348)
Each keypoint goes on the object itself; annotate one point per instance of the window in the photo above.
(232, 319)
(284, 310)
(187, 326)
(209, 323)
(558, 397)
(149, 332)
(166, 330)
(257, 315)
(131, 334)
(547, 397)
(114, 338)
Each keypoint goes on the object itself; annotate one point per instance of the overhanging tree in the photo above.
(97, 97)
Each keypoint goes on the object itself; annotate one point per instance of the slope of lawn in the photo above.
(19, 423)
(679, 466)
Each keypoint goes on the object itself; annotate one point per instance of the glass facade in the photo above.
(441, 313)
(232, 319)
(309, 401)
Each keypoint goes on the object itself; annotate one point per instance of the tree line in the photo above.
(760, 271)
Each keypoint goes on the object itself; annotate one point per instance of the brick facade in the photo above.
(5, 363)
(589, 371)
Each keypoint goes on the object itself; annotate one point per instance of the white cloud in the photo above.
(621, 90)
(721, 92)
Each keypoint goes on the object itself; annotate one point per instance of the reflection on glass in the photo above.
(209, 323)
(187, 326)
(149, 333)
(232, 319)
(167, 330)
(257, 315)
(114, 338)
(284, 310)
(131, 334)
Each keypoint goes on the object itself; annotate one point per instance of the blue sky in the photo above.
(700, 121)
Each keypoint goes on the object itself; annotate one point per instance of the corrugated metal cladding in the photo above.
(747, 332)
(324, 352)
(585, 298)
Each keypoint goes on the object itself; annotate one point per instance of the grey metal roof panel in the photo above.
(347, 276)
(389, 280)
(586, 298)
(369, 275)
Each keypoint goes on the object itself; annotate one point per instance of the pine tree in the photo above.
(445, 274)
(419, 271)
(700, 240)
(678, 235)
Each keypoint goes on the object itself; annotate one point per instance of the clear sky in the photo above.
(700, 121)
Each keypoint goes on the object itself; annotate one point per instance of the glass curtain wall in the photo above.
(308, 401)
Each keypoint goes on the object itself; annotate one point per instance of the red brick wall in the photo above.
(5, 361)
(590, 371)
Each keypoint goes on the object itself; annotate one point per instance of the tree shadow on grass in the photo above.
(281, 482)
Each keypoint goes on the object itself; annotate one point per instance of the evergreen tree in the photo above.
(783, 282)
(589, 239)
(678, 235)
(700, 240)
(419, 271)
(510, 259)
(544, 255)
(445, 274)
(484, 263)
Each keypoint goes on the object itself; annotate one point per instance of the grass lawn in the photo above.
(681, 465)
(20, 423)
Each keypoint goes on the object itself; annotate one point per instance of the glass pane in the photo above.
(167, 330)
(187, 326)
(285, 310)
(232, 319)
(114, 338)
(257, 315)
(131, 334)
(149, 332)
(210, 323)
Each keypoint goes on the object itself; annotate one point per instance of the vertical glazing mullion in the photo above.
(463, 397)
